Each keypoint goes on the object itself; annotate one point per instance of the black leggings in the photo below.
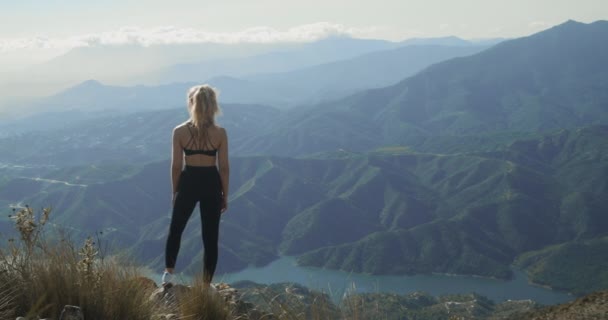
(203, 185)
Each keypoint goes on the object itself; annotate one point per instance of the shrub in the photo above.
(41, 278)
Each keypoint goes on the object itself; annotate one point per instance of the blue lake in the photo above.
(336, 283)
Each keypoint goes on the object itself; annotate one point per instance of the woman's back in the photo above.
(200, 151)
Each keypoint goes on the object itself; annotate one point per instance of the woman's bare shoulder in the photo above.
(181, 127)
(218, 129)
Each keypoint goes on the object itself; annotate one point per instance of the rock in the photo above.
(146, 284)
(71, 313)
(157, 295)
(179, 289)
(168, 295)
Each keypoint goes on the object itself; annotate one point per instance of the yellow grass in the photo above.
(39, 278)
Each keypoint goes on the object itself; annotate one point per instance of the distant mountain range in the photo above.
(283, 90)
(330, 81)
(451, 41)
(136, 64)
(291, 57)
(447, 98)
(554, 79)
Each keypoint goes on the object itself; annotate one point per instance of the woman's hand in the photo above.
(224, 205)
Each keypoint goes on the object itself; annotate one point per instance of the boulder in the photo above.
(71, 313)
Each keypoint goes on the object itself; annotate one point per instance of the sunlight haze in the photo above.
(389, 19)
(34, 32)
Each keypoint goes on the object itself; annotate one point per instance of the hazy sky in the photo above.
(35, 29)
(394, 19)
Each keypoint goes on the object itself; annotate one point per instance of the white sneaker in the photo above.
(167, 278)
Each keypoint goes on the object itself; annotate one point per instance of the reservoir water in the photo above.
(336, 283)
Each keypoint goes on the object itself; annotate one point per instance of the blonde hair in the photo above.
(203, 108)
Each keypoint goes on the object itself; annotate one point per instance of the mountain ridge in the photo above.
(467, 213)
(286, 89)
(517, 85)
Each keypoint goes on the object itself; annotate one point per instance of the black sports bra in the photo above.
(197, 149)
(210, 153)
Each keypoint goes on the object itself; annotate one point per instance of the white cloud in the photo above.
(539, 25)
(166, 35)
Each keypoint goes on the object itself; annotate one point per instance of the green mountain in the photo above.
(392, 211)
(550, 80)
(576, 266)
(497, 205)
(124, 138)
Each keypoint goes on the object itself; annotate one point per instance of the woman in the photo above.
(203, 146)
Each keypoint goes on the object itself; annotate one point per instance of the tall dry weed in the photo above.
(44, 277)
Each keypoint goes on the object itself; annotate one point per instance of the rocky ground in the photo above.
(251, 301)
(590, 307)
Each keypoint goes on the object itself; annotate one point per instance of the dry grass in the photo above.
(7, 294)
(202, 303)
(43, 277)
(38, 278)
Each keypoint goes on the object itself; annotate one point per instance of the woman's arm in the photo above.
(224, 168)
(177, 159)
